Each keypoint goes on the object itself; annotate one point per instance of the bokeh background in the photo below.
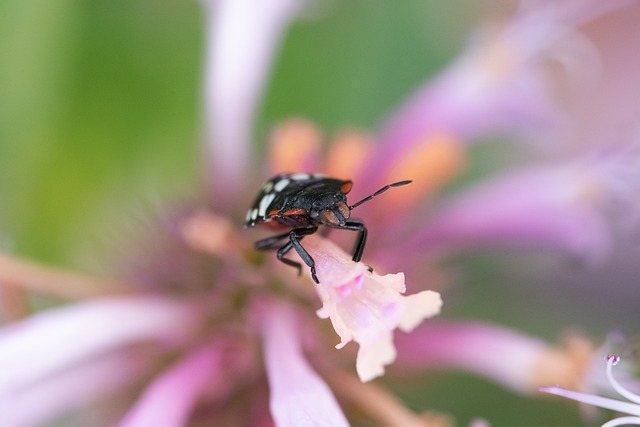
(100, 124)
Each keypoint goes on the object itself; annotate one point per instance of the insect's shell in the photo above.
(291, 195)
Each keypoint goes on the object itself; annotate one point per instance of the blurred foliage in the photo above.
(100, 114)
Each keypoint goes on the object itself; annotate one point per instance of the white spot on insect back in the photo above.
(281, 185)
(264, 204)
(300, 176)
(252, 214)
(267, 187)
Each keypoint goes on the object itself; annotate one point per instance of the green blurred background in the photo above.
(100, 120)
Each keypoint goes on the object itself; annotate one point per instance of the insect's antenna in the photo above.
(379, 192)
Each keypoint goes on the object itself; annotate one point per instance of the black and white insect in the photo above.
(303, 202)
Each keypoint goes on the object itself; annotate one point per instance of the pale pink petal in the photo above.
(496, 353)
(79, 386)
(561, 207)
(171, 397)
(243, 36)
(366, 307)
(299, 397)
(373, 356)
(612, 101)
(58, 338)
(500, 83)
(479, 422)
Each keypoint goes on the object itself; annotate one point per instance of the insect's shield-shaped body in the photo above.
(303, 202)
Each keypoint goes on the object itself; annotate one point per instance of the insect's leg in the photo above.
(294, 242)
(356, 225)
(270, 242)
(295, 237)
(283, 251)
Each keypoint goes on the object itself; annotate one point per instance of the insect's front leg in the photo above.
(357, 225)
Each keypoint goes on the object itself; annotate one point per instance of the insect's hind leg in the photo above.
(270, 242)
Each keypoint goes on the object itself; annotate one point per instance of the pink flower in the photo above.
(505, 356)
(567, 206)
(366, 307)
(298, 395)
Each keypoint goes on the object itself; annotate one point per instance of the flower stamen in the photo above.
(631, 408)
(612, 360)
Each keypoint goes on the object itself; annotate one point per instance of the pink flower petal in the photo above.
(299, 397)
(366, 307)
(41, 402)
(243, 36)
(496, 353)
(555, 207)
(58, 338)
(499, 83)
(170, 398)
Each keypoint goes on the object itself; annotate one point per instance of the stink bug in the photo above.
(303, 202)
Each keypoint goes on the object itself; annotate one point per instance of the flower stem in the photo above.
(380, 405)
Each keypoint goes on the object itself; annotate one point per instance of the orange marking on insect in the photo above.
(273, 212)
(346, 187)
(295, 211)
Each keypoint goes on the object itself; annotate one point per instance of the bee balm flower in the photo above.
(366, 307)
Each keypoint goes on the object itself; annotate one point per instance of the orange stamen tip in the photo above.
(436, 160)
(565, 366)
(294, 145)
(348, 153)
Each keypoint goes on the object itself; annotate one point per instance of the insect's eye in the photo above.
(332, 217)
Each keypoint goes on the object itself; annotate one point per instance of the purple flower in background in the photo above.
(205, 329)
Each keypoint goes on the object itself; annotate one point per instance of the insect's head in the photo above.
(330, 209)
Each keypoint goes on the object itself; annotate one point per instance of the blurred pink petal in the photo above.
(611, 102)
(499, 354)
(242, 40)
(366, 307)
(499, 83)
(170, 398)
(299, 397)
(58, 338)
(79, 386)
(560, 207)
